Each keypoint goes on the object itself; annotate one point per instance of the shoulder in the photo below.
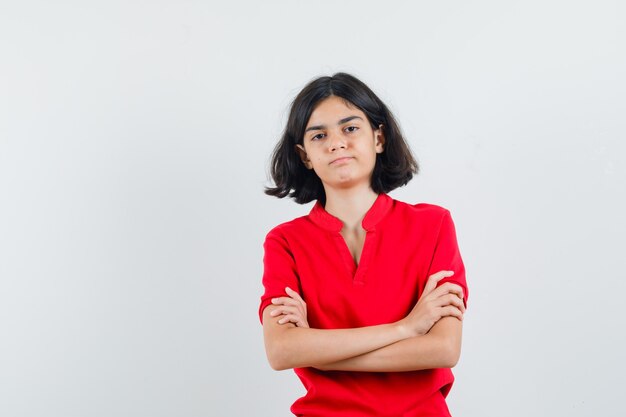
(287, 228)
(424, 218)
(421, 211)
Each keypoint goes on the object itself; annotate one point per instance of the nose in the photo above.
(336, 141)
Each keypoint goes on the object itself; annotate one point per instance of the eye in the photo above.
(351, 129)
(318, 136)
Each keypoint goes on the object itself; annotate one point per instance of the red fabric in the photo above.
(404, 245)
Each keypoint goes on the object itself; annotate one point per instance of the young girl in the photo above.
(364, 296)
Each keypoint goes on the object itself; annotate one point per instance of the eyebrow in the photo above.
(340, 122)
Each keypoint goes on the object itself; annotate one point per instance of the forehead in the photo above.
(332, 109)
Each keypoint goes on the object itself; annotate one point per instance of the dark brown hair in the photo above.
(395, 166)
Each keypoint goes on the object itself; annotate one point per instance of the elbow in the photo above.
(451, 361)
(277, 357)
(451, 353)
(446, 339)
(277, 366)
(276, 363)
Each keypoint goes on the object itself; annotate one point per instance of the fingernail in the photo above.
(273, 300)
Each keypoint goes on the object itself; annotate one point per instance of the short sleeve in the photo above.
(279, 269)
(447, 255)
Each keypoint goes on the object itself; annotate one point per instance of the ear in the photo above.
(304, 157)
(379, 136)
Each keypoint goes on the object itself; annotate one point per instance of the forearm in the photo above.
(439, 348)
(288, 346)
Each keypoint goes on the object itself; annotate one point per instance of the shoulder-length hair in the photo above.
(394, 167)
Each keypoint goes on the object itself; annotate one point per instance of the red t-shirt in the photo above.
(404, 245)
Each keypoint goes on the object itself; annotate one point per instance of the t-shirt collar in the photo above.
(374, 215)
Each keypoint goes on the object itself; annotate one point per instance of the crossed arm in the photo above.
(428, 337)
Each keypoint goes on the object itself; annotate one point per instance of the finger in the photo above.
(280, 311)
(295, 302)
(455, 300)
(449, 300)
(289, 318)
(285, 301)
(292, 306)
(448, 288)
(451, 311)
(431, 284)
(285, 310)
(294, 295)
(458, 301)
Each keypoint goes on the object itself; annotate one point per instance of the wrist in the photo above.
(404, 330)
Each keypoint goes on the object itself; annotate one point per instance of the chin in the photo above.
(345, 183)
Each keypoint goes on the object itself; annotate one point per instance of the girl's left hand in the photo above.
(292, 309)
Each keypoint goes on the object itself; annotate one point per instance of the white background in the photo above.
(134, 146)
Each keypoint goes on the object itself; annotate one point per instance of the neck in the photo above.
(350, 205)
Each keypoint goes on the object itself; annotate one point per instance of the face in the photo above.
(340, 145)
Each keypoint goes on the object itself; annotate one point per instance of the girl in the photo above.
(364, 296)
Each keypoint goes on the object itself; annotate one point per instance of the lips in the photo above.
(340, 160)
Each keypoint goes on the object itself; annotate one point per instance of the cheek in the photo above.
(317, 166)
(371, 158)
(316, 162)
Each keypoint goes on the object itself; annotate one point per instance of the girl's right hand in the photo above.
(433, 304)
